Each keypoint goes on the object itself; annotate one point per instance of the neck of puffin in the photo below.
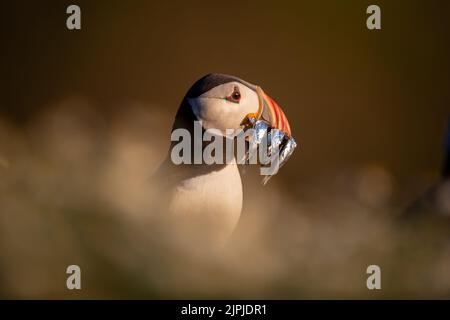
(210, 192)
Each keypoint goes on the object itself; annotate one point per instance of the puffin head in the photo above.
(223, 101)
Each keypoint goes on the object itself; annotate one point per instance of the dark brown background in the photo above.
(85, 117)
(353, 96)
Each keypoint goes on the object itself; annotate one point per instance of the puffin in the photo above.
(208, 198)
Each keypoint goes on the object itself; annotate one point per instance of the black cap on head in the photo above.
(212, 80)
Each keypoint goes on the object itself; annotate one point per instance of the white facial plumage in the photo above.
(221, 108)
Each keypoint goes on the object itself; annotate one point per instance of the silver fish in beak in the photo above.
(271, 122)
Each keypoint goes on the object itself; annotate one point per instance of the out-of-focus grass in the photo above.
(75, 188)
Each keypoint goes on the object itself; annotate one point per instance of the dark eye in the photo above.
(235, 96)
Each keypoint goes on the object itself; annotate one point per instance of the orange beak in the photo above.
(271, 112)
